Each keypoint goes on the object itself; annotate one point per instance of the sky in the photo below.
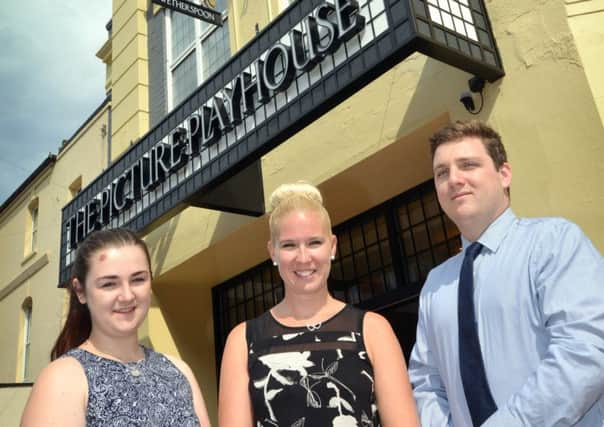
(50, 79)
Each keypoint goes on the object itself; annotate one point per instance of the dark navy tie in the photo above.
(473, 376)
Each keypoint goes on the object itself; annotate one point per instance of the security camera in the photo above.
(466, 99)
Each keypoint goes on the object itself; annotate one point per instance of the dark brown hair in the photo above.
(472, 128)
(78, 325)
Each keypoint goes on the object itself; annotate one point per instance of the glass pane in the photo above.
(455, 245)
(278, 294)
(231, 297)
(361, 263)
(415, 212)
(183, 33)
(335, 273)
(365, 286)
(431, 205)
(450, 227)
(269, 301)
(258, 306)
(341, 295)
(408, 243)
(403, 218)
(344, 244)
(257, 284)
(440, 253)
(347, 268)
(249, 291)
(377, 282)
(420, 235)
(412, 270)
(267, 279)
(386, 255)
(391, 279)
(425, 264)
(375, 258)
(215, 50)
(240, 294)
(357, 238)
(382, 227)
(370, 232)
(353, 295)
(221, 5)
(184, 79)
(437, 232)
(232, 318)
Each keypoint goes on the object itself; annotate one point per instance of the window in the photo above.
(25, 345)
(31, 238)
(383, 257)
(75, 187)
(196, 49)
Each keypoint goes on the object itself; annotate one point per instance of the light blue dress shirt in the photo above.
(539, 301)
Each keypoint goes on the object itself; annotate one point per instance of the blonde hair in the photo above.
(295, 197)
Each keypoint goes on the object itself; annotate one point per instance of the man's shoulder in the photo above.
(545, 222)
(549, 227)
(443, 273)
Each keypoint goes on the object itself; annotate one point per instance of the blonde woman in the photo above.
(311, 360)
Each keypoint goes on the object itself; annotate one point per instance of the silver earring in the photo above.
(333, 257)
(275, 263)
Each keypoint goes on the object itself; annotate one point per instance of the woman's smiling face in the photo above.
(117, 290)
(303, 249)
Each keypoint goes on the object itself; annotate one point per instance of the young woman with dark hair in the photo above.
(100, 375)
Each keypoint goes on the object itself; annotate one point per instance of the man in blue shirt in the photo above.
(538, 295)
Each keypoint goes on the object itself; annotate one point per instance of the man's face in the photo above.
(470, 189)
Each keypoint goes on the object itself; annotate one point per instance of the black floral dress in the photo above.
(312, 376)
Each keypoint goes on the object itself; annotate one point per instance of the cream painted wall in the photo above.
(244, 16)
(11, 398)
(586, 19)
(36, 275)
(129, 74)
(546, 113)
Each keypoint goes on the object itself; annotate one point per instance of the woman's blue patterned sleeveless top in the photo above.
(151, 392)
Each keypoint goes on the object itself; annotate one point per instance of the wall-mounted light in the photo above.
(476, 85)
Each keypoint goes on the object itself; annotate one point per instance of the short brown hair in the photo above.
(472, 128)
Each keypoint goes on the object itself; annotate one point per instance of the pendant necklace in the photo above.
(134, 369)
(314, 326)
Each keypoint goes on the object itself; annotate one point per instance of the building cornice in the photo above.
(24, 275)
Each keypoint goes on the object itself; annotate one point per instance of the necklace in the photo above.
(314, 326)
(133, 368)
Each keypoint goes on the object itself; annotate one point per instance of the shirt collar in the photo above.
(492, 237)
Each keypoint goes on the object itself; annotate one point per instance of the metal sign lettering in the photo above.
(281, 81)
(204, 12)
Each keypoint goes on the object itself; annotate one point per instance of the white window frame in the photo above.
(195, 45)
(27, 308)
(34, 219)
